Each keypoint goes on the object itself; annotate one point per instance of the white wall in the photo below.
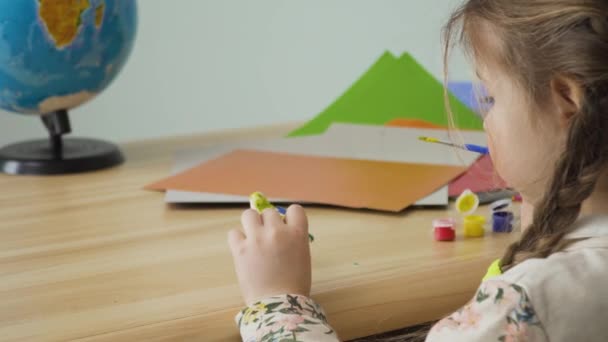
(201, 65)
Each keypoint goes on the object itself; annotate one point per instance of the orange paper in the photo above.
(352, 183)
(417, 123)
(413, 123)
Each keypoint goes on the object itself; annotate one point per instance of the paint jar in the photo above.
(474, 226)
(444, 230)
(467, 203)
(501, 205)
(502, 221)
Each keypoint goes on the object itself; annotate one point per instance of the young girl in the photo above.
(544, 65)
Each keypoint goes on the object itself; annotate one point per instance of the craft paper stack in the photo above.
(361, 152)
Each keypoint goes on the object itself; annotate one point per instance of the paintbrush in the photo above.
(468, 147)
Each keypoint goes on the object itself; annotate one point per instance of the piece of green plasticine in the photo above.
(259, 202)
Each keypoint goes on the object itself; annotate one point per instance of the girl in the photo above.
(544, 64)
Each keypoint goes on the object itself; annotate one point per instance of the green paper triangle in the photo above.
(392, 88)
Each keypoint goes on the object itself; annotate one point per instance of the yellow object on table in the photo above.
(474, 226)
(467, 202)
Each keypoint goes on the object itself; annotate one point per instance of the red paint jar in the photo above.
(444, 230)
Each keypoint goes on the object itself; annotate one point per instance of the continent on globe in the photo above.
(55, 103)
(62, 19)
(99, 14)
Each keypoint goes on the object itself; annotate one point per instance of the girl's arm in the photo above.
(285, 318)
(272, 261)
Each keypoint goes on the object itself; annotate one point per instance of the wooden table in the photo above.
(94, 257)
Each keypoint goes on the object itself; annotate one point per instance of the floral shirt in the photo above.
(499, 311)
(285, 318)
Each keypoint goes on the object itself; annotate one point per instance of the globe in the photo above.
(55, 56)
(59, 54)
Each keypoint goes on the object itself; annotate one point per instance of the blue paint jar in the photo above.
(502, 221)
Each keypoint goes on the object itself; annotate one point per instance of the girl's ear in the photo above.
(568, 97)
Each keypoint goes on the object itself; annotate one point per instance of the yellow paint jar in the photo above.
(474, 226)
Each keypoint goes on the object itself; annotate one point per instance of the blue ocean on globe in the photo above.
(56, 55)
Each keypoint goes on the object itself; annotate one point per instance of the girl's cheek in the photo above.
(500, 160)
(492, 136)
(490, 128)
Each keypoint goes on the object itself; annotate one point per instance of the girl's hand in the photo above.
(272, 257)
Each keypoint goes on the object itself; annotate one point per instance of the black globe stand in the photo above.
(58, 155)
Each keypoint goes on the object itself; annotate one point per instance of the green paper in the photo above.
(392, 89)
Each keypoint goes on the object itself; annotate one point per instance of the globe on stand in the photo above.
(55, 56)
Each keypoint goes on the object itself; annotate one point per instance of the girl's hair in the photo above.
(535, 42)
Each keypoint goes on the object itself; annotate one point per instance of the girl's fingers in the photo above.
(235, 238)
(272, 218)
(251, 221)
(296, 217)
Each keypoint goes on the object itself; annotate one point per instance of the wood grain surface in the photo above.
(94, 257)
